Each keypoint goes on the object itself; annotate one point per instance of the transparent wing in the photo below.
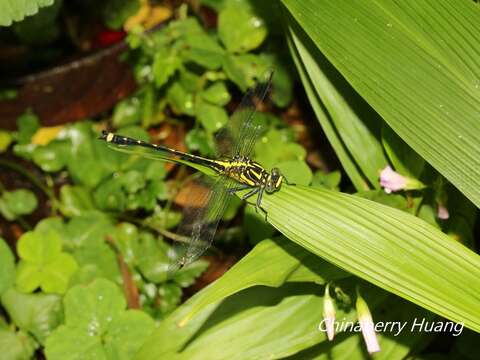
(241, 133)
(201, 220)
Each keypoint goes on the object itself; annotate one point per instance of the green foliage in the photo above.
(37, 314)
(402, 72)
(6, 139)
(42, 28)
(119, 211)
(16, 344)
(7, 267)
(42, 263)
(329, 181)
(240, 29)
(383, 245)
(116, 12)
(16, 203)
(18, 10)
(190, 65)
(27, 125)
(270, 264)
(97, 325)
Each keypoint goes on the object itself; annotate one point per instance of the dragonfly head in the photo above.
(274, 181)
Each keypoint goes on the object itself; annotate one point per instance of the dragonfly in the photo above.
(233, 166)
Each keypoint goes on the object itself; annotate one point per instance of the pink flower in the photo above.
(367, 326)
(392, 181)
(329, 313)
(442, 212)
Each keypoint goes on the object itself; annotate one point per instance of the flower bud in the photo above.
(329, 313)
(366, 324)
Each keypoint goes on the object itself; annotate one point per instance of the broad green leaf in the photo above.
(186, 276)
(145, 252)
(6, 139)
(255, 323)
(180, 100)
(165, 64)
(84, 165)
(18, 10)
(17, 202)
(329, 180)
(296, 171)
(204, 50)
(127, 112)
(198, 140)
(170, 296)
(97, 325)
(32, 246)
(110, 195)
(255, 226)
(27, 124)
(127, 332)
(282, 81)
(16, 345)
(7, 267)
(75, 200)
(43, 264)
(276, 147)
(403, 158)
(88, 230)
(240, 29)
(394, 344)
(102, 257)
(50, 224)
(51, 157)
(393, 200)
(70, 343)
(37, 314)
(93, 307)
(270, 263)
(306, 60)
(217, 94)
(212, 117)
(397, 343)
(243, 69)
(388, 247)
(356, 126)
(415, 63)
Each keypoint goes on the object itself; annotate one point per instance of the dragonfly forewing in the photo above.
(242, 131)
(201, 220)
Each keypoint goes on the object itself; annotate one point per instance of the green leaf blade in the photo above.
(390, 248)
(424, 83)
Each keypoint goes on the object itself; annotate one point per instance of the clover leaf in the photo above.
(37, 314)
(43, 264)
(97, 326)
(16, 344)
(7, 267)
(17, 202)
(240, 29)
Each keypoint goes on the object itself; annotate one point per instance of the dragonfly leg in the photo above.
(258, 205)
(238, 188)
(251, 193)
(287, 182)
(259, 198)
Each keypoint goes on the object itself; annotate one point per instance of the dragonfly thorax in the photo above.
(251, 173)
